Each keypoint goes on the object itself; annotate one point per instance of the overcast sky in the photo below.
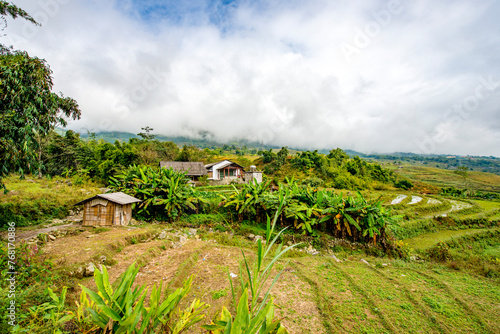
(373, 76)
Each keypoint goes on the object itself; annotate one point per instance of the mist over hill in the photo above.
(489, 164)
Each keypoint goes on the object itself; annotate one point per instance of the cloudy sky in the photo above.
(373, 76)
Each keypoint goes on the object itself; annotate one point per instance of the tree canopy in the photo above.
(28, 107)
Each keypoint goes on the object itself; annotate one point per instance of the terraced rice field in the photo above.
(315, 294)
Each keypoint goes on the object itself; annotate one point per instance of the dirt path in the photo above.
(29, 234)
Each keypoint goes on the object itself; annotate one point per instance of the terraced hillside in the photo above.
(449, 281)
(479, 181)
(333, 291)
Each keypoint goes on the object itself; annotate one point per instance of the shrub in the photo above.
(403, 184)
(439, 252)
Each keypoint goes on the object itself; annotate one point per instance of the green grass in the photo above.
(219, 293)
(480, 181)
(355, 298)
(424, 241)
(33, 201)
(487, 205)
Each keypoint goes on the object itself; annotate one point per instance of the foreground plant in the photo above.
(51, 315)
(253, 313)
(122, 310)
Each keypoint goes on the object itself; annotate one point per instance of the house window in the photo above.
(221, 174)
(231, 172)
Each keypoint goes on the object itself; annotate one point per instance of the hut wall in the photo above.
(122, 214)
(98, 214)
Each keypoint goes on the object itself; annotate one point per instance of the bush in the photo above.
(403, 184)
(313, 182)
(440, 252)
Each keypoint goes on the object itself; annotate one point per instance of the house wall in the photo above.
(226, 181)
(216, 169)
(250, 176)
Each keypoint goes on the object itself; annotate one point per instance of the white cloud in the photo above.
(277, 72)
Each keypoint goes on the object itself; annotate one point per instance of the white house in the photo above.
(224, 169)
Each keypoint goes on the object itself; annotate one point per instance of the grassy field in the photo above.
(448, 283)
(32, 201)
(315, 294)
(479, 181)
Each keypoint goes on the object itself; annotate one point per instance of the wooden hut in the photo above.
(193, 170)
(114, 209)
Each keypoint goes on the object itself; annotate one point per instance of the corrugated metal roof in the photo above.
(191, 168)
(119, 198)
(221, 164)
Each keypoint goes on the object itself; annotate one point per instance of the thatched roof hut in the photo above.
(192, 169)
(108, 209)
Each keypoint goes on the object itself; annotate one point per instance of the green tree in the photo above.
(464, 174)
(338, 156)
(14, 11)
(282, 155)
(28, 107)
(146, 134)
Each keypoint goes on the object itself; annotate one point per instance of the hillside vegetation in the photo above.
(373, 248)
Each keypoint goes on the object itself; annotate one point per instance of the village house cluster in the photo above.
(115, 209)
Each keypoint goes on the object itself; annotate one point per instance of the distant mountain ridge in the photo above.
(489, 164)
(113, 136)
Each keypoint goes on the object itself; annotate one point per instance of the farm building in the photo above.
(192, 169)
(252, 175)
(113, 209)
(224, 170)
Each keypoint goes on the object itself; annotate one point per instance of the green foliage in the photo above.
(122, 310)
(47, 316)
(189, 153)
(310, 209)
(165, 193)
(452, 191)
(219, 294)
(32, 275)
(246, 323)
(313, 182)
(476, 252)
(248, 200)
(29, 110)
(146, 134)
(35, 201)
(440, 253)
(335, 169)
(403, 184)
(14, 12)
(25, 264)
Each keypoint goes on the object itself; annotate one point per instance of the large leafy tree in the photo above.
(14, 11)
(28, 107)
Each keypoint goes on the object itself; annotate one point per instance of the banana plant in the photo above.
(164, 192)
(248, 200)
(304, 216)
